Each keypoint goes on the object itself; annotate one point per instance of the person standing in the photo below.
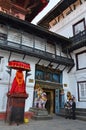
(67, 110)
(73, 109)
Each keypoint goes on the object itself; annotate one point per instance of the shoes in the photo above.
(74, 118)
(66, 117)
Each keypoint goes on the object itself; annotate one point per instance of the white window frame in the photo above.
(82, 91)
(80, 62)
(79, 26)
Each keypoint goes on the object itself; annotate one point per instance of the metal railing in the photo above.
(79, 37)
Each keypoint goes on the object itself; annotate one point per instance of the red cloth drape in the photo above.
(16, 88)
(18, 85)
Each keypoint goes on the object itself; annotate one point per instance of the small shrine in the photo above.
(17, 93)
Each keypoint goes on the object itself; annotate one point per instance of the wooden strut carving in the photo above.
(28, 8)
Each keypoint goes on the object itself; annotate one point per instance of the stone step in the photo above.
(40, 114)
(48, 117)
(81, 109)
(78, 111)
(81, 113)
(83, 118)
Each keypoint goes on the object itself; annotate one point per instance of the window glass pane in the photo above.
(79, 26)
(39, 74)
(82, 91)
(55, 78)
(48, 76)
(81, 60)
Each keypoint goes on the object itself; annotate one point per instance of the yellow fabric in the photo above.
(44, 98)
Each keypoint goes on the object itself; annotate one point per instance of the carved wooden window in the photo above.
(14, 36)
(47, 74)
(3, 29)
(27, 39)
(50, 48)
(39, 43)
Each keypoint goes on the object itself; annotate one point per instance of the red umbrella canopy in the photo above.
(18, 65)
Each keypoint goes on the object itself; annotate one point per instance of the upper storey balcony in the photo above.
(19, 47)
(26, 50)
(77, 42)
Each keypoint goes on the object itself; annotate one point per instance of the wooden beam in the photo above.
(26, 3)
(38, 61)
(9, 56)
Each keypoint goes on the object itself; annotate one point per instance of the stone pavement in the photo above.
(57, 123)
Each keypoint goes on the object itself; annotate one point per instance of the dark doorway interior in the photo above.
(50, 104)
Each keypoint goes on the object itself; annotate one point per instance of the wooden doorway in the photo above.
(50, 104)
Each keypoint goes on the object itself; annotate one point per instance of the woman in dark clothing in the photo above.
(68, 109)
(73, 109)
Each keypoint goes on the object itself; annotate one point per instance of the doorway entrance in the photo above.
(50, 104)
(55, 100)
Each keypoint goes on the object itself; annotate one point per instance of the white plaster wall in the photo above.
(65, 81)
(5, 78)
(71, 80)
(29, 100)
(3, 96)
(64, 27)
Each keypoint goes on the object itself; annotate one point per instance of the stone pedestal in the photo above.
(15, 108)
(40, 114)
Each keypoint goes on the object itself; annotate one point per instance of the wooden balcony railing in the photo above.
(22, 49)
(77, 42)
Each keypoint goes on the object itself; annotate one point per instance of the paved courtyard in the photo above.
(57, 123)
